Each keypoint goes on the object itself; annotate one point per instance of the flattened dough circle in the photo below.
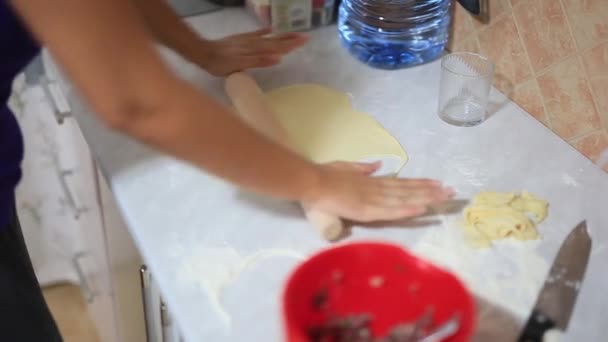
(324, 127)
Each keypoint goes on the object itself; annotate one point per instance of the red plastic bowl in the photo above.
(379, 279)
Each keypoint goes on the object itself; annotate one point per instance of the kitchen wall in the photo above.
(552, 59)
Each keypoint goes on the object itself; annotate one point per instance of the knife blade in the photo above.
(557, 298)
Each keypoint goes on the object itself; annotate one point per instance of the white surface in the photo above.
(198, 234)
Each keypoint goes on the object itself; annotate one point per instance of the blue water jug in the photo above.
(393, 34)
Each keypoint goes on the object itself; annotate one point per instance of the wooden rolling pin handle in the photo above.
(248, 99)
(329, 226)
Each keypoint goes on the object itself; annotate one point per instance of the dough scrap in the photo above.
(499, 215)
(324, 127)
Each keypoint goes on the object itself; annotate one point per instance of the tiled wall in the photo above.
(552, 59)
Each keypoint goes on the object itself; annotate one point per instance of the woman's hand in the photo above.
(246, 51)
(349, 191)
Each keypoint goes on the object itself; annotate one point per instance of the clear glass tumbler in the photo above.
(466, 79)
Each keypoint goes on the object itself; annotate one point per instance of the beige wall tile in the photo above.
(568, 99)
(593, 144)
(468, 45)
(496, 9)
(501, 43)
(596, 63)
(463, 24)
(589, 21)
(544, 31)
(527, 96)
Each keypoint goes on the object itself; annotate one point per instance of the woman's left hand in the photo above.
(246, 51)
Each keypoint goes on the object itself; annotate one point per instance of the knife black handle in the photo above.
(536, 327)
(473, 6)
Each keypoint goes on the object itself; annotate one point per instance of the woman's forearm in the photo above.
(218, 57)
(106, 50)
(195, 127)
(252, 163)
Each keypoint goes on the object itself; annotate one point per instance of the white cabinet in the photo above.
(124, 270)
(138, 309)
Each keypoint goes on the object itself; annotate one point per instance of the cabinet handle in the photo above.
(151, 301)
(61, 106)
(160, 326)
(170, 330)
(165, 320)
(88, 292)
(144, 277)
(70, 196)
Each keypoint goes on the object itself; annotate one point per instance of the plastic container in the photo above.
(393, 34)
(379, 279)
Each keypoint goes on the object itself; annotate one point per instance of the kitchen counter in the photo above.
(221, 256)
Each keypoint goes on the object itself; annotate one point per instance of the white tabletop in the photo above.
(221, 256)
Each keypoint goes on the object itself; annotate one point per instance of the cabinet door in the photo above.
(160, 326)
(125, 263)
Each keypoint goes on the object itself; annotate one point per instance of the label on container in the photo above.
(323, 12)
(291, 15)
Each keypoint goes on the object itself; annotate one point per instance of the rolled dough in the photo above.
(324, 127)
(498, 215)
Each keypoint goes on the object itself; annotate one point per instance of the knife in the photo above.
(480, 9)
(473, 6)
(557, 298)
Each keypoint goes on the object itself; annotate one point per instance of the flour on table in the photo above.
(569, 180)
(215, 268)
(509, 274)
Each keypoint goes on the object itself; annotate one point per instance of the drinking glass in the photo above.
(466, 80)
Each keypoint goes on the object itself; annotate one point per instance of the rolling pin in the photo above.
(251, 106)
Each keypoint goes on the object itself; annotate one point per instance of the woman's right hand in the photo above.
(349, 191)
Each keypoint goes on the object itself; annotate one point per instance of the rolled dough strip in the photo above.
(499, 215)
(251, 106)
